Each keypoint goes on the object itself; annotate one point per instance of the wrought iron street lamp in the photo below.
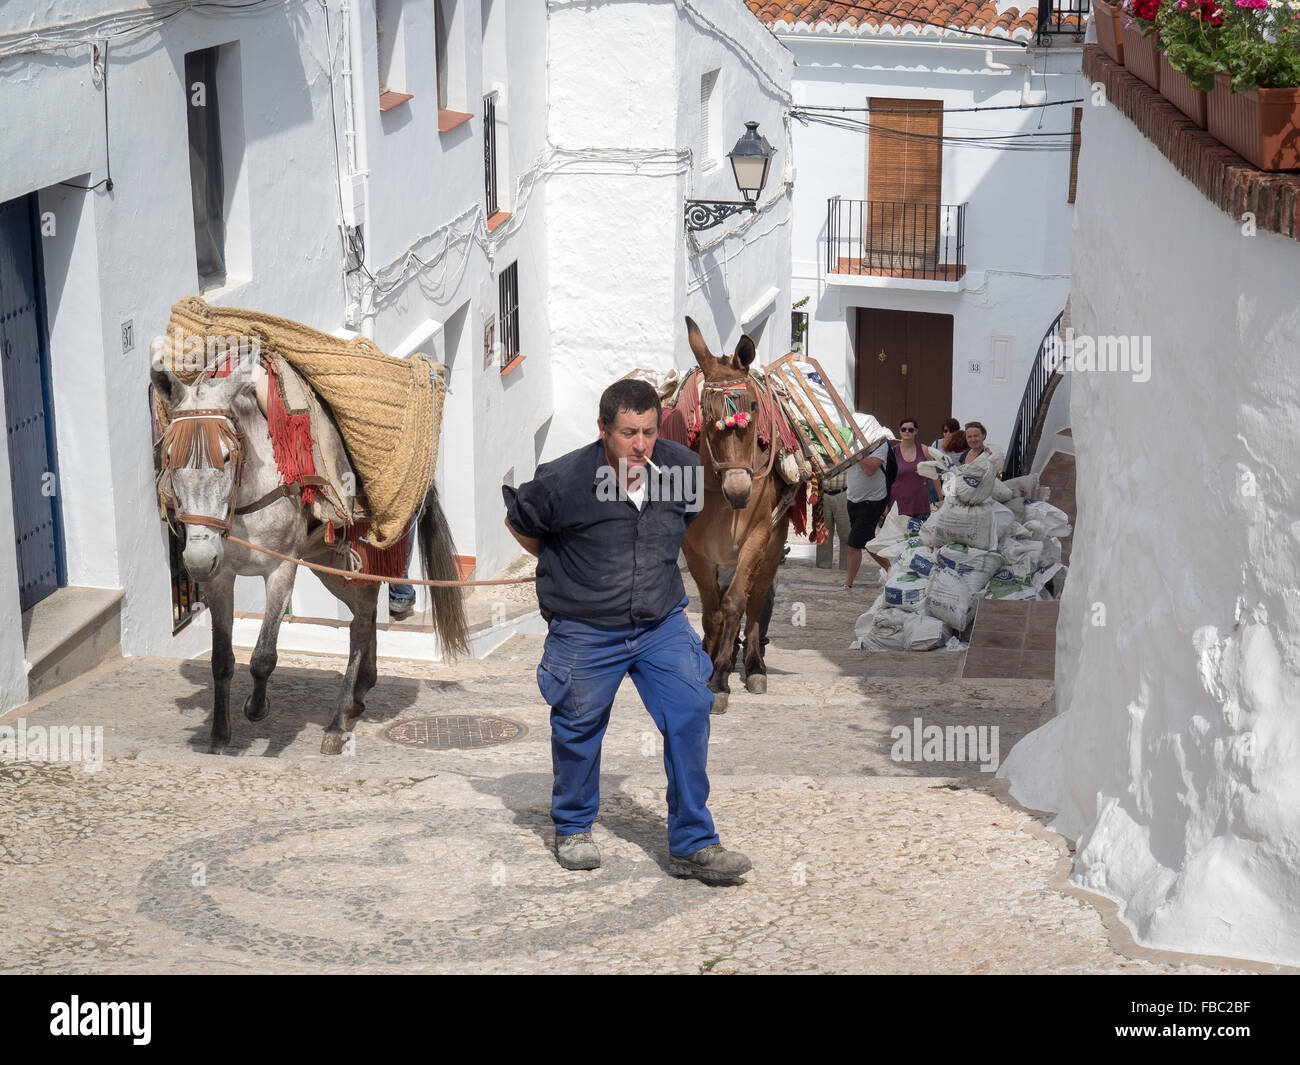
(751, 159)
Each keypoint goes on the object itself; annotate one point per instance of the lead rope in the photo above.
(353, 575)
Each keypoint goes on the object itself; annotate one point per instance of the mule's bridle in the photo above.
(727, 389)
(230, 432)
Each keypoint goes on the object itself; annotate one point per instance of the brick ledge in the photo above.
(1223, 177)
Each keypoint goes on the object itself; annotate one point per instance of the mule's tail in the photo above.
(439, 556)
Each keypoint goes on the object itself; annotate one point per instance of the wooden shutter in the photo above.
(904, 183)
(1075, 141)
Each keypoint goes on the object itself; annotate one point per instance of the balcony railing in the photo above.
(1062, 18)
(886, 238)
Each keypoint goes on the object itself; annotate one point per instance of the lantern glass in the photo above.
(751, 173)
(750, 160)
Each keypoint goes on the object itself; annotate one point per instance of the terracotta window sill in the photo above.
(509, 367)
(389, 100)
(497, 219)
(449, 120)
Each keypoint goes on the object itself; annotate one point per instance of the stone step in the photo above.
(1013, 640)
(70, 632)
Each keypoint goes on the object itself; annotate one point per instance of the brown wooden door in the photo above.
(904, 368)
(904, 184)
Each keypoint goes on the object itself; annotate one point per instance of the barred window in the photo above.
(508, 291)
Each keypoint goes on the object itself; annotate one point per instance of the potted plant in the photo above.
(1189, 33)
(1254, 107)
(1110, 30)
(1140, 40)
(1246, 55)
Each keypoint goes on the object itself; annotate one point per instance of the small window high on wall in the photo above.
(391, 53)
(709, 120)
(207, 177)
(1076, 132)
(508, 298)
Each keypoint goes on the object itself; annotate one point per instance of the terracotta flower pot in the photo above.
(1180, 92)
(1140, 53)
(1110, 30)
(1262, 125)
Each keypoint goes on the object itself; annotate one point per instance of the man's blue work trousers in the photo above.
(581, 669)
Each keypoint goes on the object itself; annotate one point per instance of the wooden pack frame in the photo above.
(805, 409)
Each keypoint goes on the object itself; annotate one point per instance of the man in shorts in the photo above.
(867, 493)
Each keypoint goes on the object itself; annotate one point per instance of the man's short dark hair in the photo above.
(630, 395)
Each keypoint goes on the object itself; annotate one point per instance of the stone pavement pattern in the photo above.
(274, 858)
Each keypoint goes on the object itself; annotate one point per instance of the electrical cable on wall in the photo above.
(1007, 142)
(122, 24)
(802, 108)
(107, 181)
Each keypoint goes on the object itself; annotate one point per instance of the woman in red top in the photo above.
(911, 491)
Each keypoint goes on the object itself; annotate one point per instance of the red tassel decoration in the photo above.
(290, 439)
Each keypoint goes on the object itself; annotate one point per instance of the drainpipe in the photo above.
(356, 197)
(1027, 96)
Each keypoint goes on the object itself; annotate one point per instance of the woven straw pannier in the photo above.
(389, 410)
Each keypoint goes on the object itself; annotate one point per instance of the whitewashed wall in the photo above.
(625, 118)
(1174, 757)
(1017, 219)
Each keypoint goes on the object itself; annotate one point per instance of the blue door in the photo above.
(29, 424)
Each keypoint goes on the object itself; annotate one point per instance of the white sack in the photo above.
(895, 535)
(924, 633)
(982, 525)
(973, 482)
(972, 565)
(919, 559)
(1044, 520)
(951, 600)
(1022, 555)
(905, 590)
(1024, 487)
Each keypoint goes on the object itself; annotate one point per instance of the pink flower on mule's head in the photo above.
(1258, 5)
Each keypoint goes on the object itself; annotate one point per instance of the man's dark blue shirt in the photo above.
(603, 561)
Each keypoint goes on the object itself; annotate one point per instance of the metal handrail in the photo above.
(1033, 404)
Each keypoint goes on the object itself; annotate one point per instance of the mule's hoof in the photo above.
(217, 746)
(756, 683)
(266, 709)
(333, 742)
(720, 702)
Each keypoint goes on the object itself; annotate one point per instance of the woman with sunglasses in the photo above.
(911, 491)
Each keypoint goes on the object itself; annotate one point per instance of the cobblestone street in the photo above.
(274, 858)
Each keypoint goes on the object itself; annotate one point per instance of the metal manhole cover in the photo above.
(454, 732)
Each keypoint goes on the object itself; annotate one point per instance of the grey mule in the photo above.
(713, 864)
(577, 851)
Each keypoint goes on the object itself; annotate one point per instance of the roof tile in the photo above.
(871, 16)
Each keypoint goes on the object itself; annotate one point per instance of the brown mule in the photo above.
(744, 520)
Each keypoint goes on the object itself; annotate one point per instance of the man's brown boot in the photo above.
(713, 864)
(577, 851)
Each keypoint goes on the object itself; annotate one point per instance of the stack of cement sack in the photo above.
(989, 539)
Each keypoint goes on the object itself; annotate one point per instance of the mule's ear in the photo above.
(745, 352)
(698, 348)
(164, 384)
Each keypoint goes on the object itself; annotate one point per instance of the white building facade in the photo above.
(501, 186)
(933, 202)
